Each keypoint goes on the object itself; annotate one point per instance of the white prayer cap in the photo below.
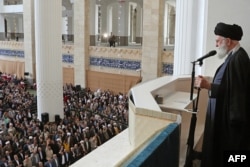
(68, 134)
(30, 137)
(58, 139)
(7, 142)
(81, 141)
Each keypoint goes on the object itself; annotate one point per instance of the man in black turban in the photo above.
(228, 113)
(233, 32)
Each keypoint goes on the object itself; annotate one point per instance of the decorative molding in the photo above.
(115, 52)
(68, 58)
(68, 49)
(115, 63)
(12, 53)
(167, 68)
(12, 45)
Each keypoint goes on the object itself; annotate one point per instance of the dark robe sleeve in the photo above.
(238, 80)
(214, 90)
(237, 101)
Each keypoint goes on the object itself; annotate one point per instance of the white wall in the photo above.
(230, 12)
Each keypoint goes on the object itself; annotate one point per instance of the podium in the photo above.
(154, 107)
(166, 98)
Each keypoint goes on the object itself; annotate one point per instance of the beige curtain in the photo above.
(107, 81)
(12, 67)
(68, 76)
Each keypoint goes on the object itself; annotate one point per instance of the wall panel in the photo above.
(12, 67)
(68, 75)
(115, 82)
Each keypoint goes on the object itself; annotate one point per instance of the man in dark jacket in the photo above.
(228, 114)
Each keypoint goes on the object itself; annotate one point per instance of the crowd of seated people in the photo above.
(90, 119)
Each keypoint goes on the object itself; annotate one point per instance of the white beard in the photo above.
(222, 51)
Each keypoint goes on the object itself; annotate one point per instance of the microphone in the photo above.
(211, 53)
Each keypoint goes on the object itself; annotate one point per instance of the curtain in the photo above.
(12, 67)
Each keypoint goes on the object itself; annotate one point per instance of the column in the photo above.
(189, 35)
(15, 27)
(152, 39)
(48, 16)
(171, 25)
(29, 40)
(70, 28)
(133, 21)
(10, 27)
(2, 33)
(104, 27)
(81, 40)
(93, 22)
(20, 27)
(122, 18)
(64, 28)
(139, 24)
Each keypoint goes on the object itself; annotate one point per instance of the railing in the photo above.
(11, 45)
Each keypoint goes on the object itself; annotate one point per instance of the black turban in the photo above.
(233, 32)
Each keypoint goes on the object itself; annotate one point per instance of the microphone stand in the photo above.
(190, 141)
